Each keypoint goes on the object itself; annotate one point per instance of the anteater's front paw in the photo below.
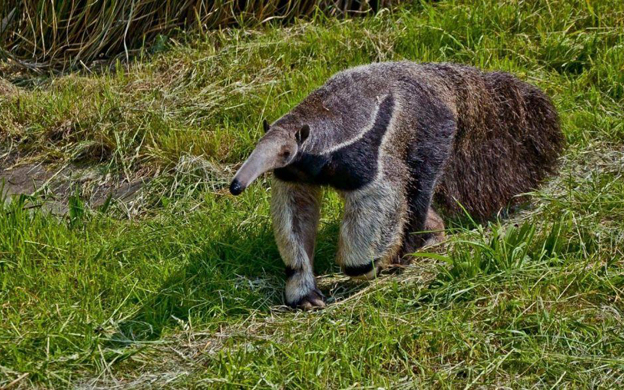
(312, 300)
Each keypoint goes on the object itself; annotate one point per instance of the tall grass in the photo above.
(42, 33)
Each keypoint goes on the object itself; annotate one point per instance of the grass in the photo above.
(186, 290)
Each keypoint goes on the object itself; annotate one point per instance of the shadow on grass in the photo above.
(229, 277)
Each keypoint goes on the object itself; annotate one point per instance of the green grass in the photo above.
(186, 291)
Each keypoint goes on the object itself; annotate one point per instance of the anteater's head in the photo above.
(276, 149)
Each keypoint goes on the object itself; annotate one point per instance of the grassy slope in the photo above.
(187, 293)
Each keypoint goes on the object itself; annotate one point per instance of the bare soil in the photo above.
(57, 183)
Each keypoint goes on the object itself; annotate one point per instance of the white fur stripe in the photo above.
(362, 133)
(387, 136)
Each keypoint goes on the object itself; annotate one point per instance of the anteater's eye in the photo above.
(286, 154)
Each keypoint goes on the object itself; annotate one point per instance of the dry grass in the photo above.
(39, 34)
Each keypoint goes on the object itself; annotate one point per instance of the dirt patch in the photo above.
(55, 184)
(6, 88)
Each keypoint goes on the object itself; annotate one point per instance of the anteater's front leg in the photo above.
(371, 233)
(296, 210)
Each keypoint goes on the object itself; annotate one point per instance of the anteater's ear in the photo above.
(265, 125)
(302, 134)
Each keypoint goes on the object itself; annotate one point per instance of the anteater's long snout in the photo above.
(258, 162)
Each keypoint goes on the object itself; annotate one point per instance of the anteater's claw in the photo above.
(312, 301)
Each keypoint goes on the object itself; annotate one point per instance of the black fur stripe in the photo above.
(290, 271)
(348, 168)
(358, 270)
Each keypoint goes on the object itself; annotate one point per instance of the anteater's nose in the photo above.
(236, 188)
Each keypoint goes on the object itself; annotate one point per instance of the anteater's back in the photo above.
(508, 140)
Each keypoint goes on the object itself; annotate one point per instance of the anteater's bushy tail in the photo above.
(508, 140)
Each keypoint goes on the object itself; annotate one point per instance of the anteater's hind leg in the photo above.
(425, 162)
(431, 233)
(434, 225)
(426, 156)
